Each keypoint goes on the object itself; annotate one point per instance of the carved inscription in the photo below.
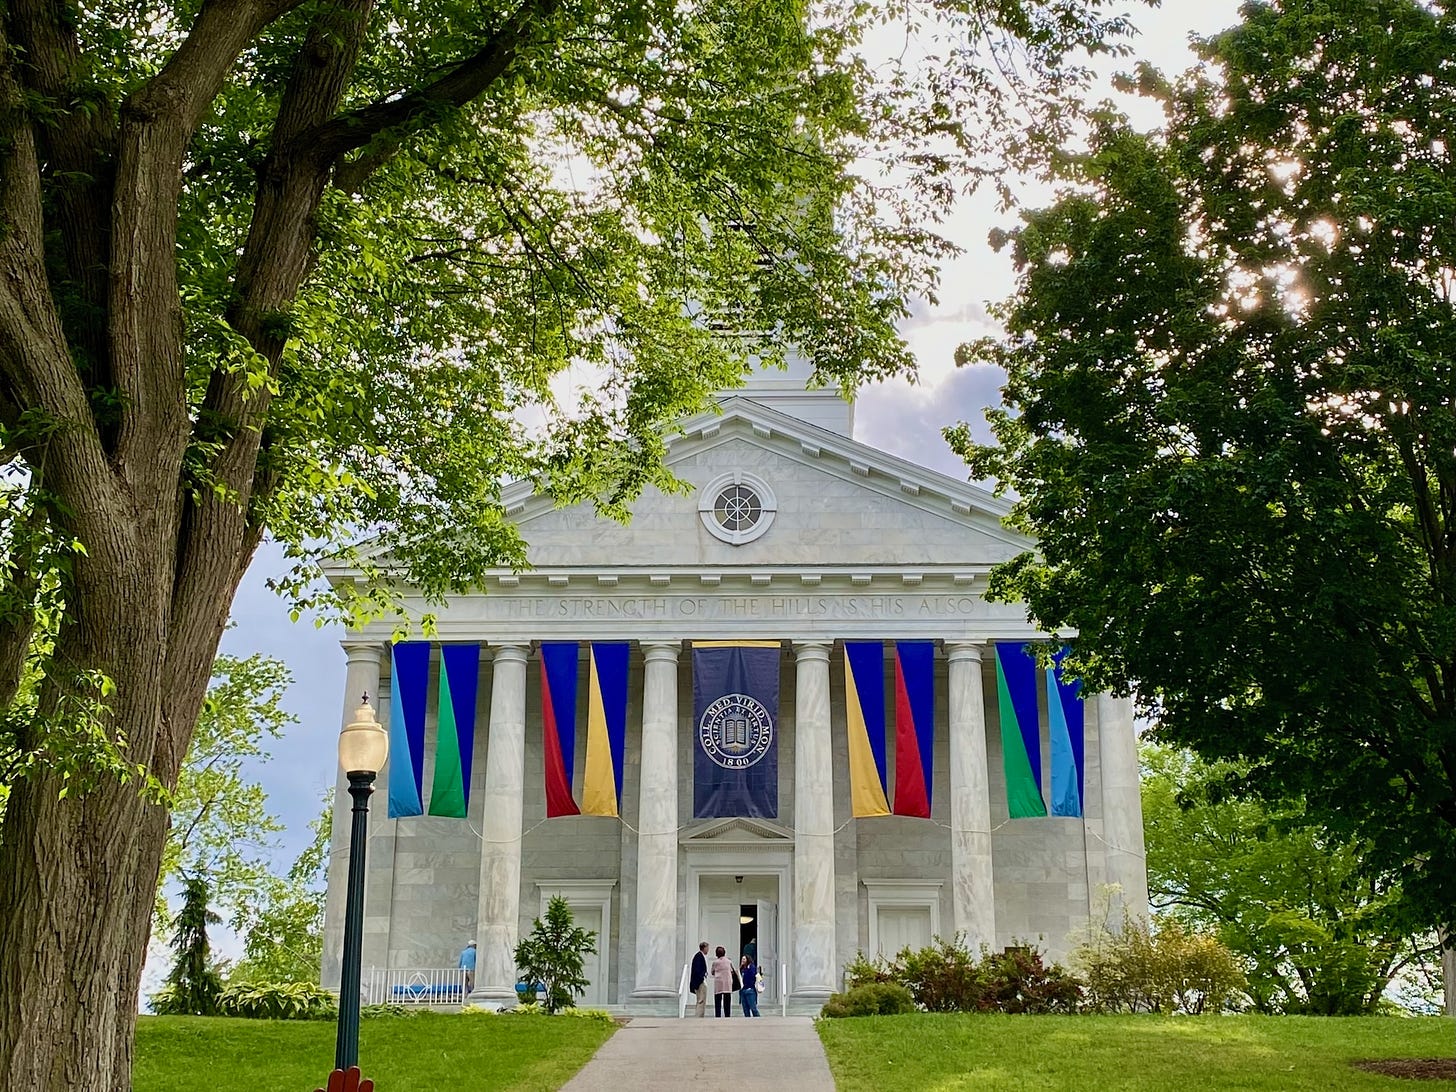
(714, 608)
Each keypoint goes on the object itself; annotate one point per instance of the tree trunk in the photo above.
(79, 882)
(1448, 972)
(78, 868)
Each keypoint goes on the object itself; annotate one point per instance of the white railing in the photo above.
(414, 986)
(784, 987)
(682, 992)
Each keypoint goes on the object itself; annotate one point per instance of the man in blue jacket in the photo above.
(698, 978)
(467, 964)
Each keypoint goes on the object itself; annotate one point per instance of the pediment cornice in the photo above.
(741, 417)
(736, 831)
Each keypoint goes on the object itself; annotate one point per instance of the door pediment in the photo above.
(735, 832)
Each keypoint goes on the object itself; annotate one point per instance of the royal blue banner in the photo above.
(735, 729)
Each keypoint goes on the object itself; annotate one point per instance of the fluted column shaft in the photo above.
(973, 890)
(813, 971)
(1122, 808)
(657, 944)
(500, 850)
(360, 676)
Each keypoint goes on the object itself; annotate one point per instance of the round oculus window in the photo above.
(737, 507)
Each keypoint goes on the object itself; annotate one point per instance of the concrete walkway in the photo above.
(770, 1054)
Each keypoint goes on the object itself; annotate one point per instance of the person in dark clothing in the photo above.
(749, 992)
(698, 978)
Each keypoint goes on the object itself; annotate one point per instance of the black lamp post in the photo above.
(363, 747)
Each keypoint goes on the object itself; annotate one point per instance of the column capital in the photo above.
(812, 650)
(661, 651)
(964, 650)
(510, 653)
(362, 651)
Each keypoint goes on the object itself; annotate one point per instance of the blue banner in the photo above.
(735, 729)
(407, 697)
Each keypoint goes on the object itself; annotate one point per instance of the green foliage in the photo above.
(221, 827)
(945, 977)
(1019, 981)
(1318, 931)
(277, 1001)
(871, 999)
(193, 984)
(1228, 420)
(1173, 970)
(391, 1010)
(283, 930)
(553, 955)
(864, 971)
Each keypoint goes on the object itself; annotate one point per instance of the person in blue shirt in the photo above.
(467, 964)
(748, 995)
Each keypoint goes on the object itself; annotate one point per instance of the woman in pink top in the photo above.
(722, 983)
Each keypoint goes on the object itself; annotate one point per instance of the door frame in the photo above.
(596, 895)
(901, 895)
(766, 861)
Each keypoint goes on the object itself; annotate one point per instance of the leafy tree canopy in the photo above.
(283, 930)
(1317, 932)
(221, 827)
(1231, 419)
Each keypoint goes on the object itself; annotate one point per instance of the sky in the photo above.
(896, 416)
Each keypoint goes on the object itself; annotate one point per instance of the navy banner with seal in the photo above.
(735, 728)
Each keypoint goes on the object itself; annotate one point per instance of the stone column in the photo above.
(360, 675)
(813, 970)
(973, 890)
(1122, 807)
(500, 849)
(658, 950)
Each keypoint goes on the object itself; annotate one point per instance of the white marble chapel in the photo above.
(838, 541)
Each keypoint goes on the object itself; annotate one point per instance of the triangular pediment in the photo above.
(837, 502)
(736, 831)
(843, 510)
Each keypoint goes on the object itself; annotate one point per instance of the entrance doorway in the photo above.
(740, 912)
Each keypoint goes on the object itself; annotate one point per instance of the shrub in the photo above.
(1132, 969)
(1019, 981)
(945, 977)
(942, 977)
(554, 955)
(871, 999)
(392, 1010)
(863, 971)
(278, 1001)
(596, 1016)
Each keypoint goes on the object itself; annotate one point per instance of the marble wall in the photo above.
(422, 883)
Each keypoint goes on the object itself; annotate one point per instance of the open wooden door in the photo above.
(768, 948)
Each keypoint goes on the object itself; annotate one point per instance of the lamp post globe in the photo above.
(363, 748)
(363, 744)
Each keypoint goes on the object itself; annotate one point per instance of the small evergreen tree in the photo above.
(553, 955)
(193, 984)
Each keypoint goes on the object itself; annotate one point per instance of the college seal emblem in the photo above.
(736, 731)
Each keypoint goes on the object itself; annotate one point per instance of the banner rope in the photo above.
(1139, 854)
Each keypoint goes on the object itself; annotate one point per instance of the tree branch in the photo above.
(75, 143)
(38, 374)
(464, 83)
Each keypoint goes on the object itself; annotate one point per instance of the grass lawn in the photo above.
(931, 1053)
(422, 1053)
